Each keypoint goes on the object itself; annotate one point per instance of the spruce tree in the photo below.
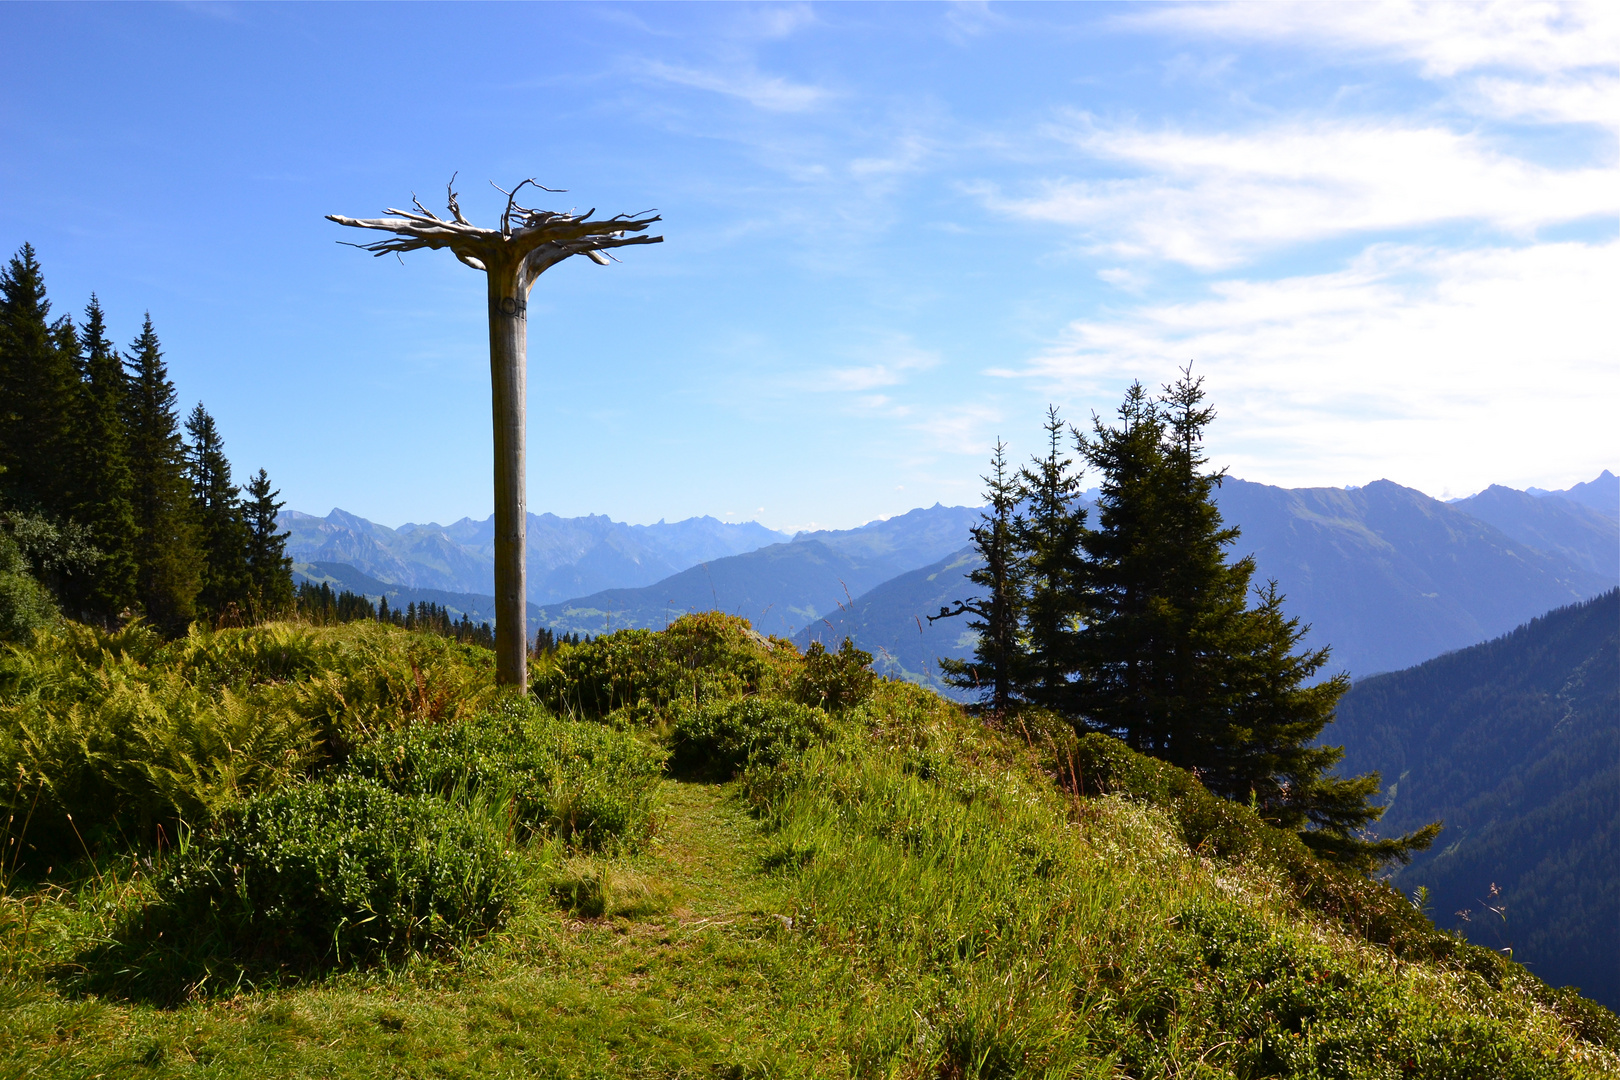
(216, 509)
(38, 392)
(1125, 654)
(167, 559)
(1048, 535)
(997, 610)
(269, 568)
(1269, 755)
(1175, 660)
(104, 488)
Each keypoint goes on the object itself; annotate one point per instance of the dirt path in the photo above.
(708, 847)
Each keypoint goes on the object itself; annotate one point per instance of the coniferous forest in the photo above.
(256, 830)
(112, 503)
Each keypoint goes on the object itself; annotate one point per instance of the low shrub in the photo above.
(25, 604)
(337, 873)
(645, 674)
(718, 740)
(577, 781)
(834, 681)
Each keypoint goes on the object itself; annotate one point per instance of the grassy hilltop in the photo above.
(338, 851)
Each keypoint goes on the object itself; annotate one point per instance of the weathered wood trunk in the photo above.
(527, 244)
(508, 348)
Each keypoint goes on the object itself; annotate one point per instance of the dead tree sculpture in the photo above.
(528, 243)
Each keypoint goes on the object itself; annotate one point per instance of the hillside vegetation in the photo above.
(336, 851)
(1514, 744)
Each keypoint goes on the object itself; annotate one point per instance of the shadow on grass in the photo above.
(154, 958)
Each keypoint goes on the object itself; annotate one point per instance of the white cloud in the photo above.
(1445, 38)
(1210, 201)
(899, 359)
(1440, 369)
(769, 92)
(1591, 100)
(960, 428)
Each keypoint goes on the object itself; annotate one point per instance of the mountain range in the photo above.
(780, 588)
(1384, 574)
(566, 556)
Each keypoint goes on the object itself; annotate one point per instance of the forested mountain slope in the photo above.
(1515, 745)
(478, 607)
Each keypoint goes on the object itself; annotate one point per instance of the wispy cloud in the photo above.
(960, 428)
(769, 92)
(1438, 368)
(1211, 201)
(1445, 39)
(897, 361)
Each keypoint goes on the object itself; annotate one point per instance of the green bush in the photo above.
(25, 605)
(834, 681)
(645, 674)
(342, 872)
(578, 781)
(718, 740)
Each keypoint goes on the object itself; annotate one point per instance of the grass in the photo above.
(911, 895)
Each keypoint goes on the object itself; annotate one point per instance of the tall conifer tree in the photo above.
(216, 508)
(167, 558)
(38, 392)
(1048, 536)
(1176, 661)
(104, 488)
(1124, 654)
(997, 611)
(269, 568)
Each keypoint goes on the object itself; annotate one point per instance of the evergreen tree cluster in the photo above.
(148, 520)
(318, 604)
(1141, 627)
(547, 640)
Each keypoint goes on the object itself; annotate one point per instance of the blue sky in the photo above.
(1386, 235)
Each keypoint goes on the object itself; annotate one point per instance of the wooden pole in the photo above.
(513, 256)
(508, 348)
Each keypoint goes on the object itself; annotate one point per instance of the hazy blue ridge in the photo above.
(340, 576)
(891, 621)
(1601, 494)
(780, 589)
(566, 556)
(1384, 574)
(1515, 745)
(912, 539)
(1551, 524)
(1390, 577)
